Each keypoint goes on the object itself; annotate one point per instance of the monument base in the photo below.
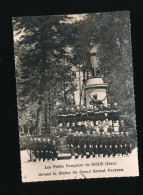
(95, 86)
(65, 152)
(64, 156)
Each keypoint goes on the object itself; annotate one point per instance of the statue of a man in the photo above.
(93, 59)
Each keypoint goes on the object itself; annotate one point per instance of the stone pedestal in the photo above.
(64, 156)
(95, 86)
(63, 148)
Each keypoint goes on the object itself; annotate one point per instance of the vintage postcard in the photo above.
(75, 96)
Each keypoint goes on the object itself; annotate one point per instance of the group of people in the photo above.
(85, 139)
(99, 127)
(99, 145)
(83, 114)
(96, 118)
(82, 145)
(43, 149)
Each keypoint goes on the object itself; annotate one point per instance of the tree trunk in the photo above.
(79, 88)
(39, 120)
(65, 97)
(49, 101)
(46, 123)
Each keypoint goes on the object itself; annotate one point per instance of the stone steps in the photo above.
(63, 156)
(64, 149)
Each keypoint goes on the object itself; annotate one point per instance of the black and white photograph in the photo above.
(75, 96)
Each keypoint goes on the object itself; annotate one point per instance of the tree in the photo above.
(43, 68)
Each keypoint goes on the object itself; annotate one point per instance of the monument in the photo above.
(95, 88)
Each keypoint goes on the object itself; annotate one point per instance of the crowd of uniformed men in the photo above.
(42, 149)
(99, 145)
(83, 145)
(76, 114)
(85, 136)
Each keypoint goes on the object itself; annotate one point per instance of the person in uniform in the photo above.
(120, 146)
(48, 149)
(83, 113)
(94, 143)
(73, 114)
(97, 128)
(100, 145)
(105, 145)
(101, 113)
(128, 141)
(67, 127)
(89, 114)
(116, 146)
(35, 149)
(44, 149)
(55, 151)
(97, 145)
(103, 142)
(66, 115)
(82, 144)
(88, 145)
(69, 117)
(78, 114)
(73, 134)
(119, 142)
(91, 129)
(87, 126)
(69, 141)
(126, 147)
(123, 141)
(73, 127)
(108, 109)
(109, 144)
(78, 144)
(113, 144)
(106, 126)
(83, 129)
(39, 148)
(78, 127)
(96, 114)
(116, 126)
(75, 144)
(83, 117)
(60, 129)
(30, 148)
(122, 126)
(69, 138)
(110, 129)
(116, 112)
(101, 129)
(92, 116)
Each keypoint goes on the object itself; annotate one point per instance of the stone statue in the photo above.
(96, 102)
(95, 67)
